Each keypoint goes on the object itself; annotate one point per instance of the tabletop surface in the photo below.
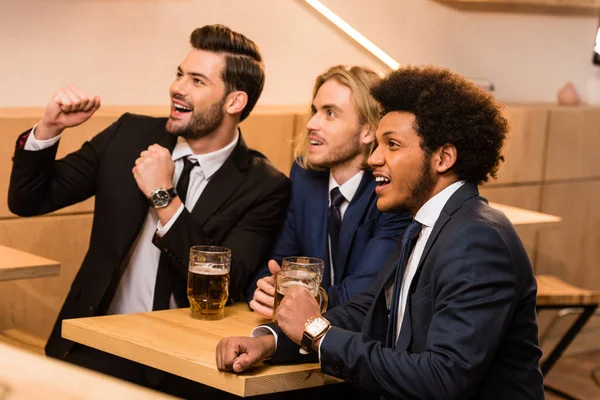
(16, 264)
(24, 375)
(523, 217)
(174, 342)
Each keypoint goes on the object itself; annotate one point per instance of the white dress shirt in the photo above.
(427, 215)
(135, 292)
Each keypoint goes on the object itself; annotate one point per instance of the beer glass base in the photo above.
(208, 317)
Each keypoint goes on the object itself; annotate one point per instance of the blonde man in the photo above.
(332, 214)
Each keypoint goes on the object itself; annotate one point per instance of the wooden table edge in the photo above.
(242, 385)
(30, 272)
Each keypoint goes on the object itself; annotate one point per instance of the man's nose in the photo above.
(376, 159)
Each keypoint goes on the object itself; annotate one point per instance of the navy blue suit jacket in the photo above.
(469, 330)
(368, 235)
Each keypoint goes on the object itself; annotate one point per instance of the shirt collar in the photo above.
(431, 210)
(209, 163)
(349, 188)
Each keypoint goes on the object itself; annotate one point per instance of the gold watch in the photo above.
(314, 329)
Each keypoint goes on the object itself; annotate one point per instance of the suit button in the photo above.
(92, 307)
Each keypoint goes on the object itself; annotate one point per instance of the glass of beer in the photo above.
(301, 263)
(208, 281)
(310, 280)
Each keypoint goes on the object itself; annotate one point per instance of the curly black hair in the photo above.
(449, 110)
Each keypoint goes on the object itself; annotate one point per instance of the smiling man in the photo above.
(161, 186)
(452, 313)
(333, 212)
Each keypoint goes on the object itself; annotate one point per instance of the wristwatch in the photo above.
(161, 197)
(314, 329)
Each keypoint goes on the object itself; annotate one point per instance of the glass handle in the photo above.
(323, 299)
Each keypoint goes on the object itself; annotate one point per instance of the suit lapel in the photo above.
(316, 220)
(223, 183)
(352, 218)
(467, 191)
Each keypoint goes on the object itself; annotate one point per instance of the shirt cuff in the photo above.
(162, 230)
(321, 344)
(33, 144)
(263, 330)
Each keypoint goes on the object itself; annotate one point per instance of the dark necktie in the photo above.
(184, 178)
(408, 243)
(334, 224)
(162, 288)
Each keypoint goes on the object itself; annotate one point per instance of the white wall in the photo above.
(127, 50)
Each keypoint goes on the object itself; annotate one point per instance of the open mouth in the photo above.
(315, 141)
(381, 180)
(180, 109)
(382, 183)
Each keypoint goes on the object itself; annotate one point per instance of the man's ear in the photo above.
(445, 158)
(236, 102)
(367, 134)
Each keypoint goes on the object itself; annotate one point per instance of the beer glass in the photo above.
(301, 263)
(307, 273)
(208, 281)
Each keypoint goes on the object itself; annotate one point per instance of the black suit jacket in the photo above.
(469, 330)
(241, 208)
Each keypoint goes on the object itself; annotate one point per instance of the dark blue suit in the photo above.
(469, 330)
(367, 235)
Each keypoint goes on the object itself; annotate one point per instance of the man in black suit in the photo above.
(452, 313)
(143, 229)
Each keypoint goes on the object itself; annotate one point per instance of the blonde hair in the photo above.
(359, 80)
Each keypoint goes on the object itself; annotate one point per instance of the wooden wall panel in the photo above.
(525, 145)
(272, 136)
(33, 304)
(573, 142)
(527, 197)
(572, 252)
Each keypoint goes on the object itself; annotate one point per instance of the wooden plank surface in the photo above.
(24, 375)
(522, 217)
(173, 341)
(16, 264)
(553, 291)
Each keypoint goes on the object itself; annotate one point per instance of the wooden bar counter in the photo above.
(16, 264)
(174, 342)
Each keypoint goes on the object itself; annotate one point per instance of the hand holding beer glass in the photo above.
(208, 281)
(300, 271)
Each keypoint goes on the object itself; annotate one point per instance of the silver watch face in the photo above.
(316, 326)
(160, 198)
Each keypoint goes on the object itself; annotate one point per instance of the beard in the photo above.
(421, 191)
(346, 152)
(203, 122)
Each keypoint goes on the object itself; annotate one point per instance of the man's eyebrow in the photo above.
(196, 74)
(333, 107)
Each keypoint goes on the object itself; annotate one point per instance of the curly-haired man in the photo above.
(452, 314)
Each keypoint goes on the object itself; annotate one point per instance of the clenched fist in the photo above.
(69, 107)
(154, 169)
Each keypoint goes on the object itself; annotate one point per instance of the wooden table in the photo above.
(521, 217)
(174, 342)
(16, 264)
(24, 375)
(556, 294)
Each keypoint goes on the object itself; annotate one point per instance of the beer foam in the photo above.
(208, 269)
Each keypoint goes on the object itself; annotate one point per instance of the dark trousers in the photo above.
(177, 386)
